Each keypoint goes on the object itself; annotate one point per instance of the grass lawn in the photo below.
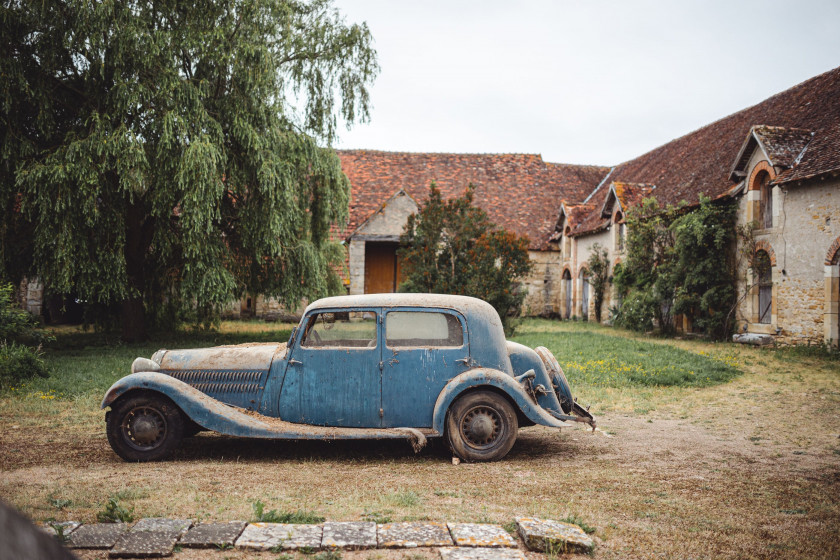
(707, 451)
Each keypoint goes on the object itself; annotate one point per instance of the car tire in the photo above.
(481, 426)
(147, 427)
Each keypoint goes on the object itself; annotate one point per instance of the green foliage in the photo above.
(705, 269)
(678, 262)
(17, 324)
(451, 247)
(20, 363)
(598, 265)
(328, 555)
(645, 280)
(274, 516)
(115, 512)
(164, 156)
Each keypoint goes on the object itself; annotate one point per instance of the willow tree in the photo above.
(164, 151)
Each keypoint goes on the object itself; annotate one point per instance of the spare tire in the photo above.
(558, 378)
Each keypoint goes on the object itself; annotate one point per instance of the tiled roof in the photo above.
(520, 192)
(700, 162)
(820, 157)
(782, 145)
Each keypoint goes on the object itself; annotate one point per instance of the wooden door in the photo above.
(382, 268)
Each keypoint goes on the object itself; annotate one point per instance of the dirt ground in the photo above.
(749, 469)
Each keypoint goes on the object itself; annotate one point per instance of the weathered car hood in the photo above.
(243, 357)
(235, 375)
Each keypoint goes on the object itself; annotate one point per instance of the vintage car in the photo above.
(408, 366)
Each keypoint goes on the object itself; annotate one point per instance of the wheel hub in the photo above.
(481, 426)
(145, 427)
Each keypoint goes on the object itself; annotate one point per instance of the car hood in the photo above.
(240, 357)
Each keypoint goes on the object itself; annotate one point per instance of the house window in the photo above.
(567, 287)
(765, 287)
(622, 234)
(765, 216)
(584, 298)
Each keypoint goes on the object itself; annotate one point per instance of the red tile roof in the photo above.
(520, 192)
(700, 162)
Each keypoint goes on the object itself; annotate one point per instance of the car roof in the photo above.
(465, 304)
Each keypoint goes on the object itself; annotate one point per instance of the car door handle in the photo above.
(465, 360)
(294, 362)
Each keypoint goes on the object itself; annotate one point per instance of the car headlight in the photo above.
(144, 364)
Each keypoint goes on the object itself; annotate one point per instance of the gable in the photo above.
(387, 223)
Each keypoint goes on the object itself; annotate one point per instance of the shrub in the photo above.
(452, 247)
(19, 363)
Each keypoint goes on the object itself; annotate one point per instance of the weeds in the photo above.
(328, 555)
(58, 503)
(404, 498)
(115, 512)
(274, 516)
(575, 520)
(59, 532)
(510, 527)
(380, 517)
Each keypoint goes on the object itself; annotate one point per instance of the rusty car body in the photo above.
(408, 366)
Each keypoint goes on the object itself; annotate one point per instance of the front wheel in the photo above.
(145, 427)
(481, 426)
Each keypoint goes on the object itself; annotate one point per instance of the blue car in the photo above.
(376, 366)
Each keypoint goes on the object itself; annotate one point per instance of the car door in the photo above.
(423, 349)
(333, 377)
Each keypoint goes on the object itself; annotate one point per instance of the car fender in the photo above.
(203, 410)
(483, 377)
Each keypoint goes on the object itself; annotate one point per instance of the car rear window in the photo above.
(341, 329)
(423, 328)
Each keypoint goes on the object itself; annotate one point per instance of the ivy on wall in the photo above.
(679, 261)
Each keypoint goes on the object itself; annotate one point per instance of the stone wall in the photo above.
(543, 284)
(806, 221)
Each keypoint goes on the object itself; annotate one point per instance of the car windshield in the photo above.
(341, 329)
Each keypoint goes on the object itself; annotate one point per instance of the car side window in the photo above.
(423, 329)
(341, 329)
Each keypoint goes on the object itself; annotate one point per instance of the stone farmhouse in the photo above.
(780, 160)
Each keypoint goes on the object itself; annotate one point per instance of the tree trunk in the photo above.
(133, 320)
(137, 242)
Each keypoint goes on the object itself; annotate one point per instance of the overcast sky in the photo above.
(578, 82)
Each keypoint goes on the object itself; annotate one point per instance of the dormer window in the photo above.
(765, 216)
(619, 231)
(567, 243)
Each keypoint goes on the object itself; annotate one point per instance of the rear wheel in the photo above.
(146, 427)
(481, 426)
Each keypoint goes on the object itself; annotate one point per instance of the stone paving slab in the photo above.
(69, 527)
(546, 535)
(480, 535)
(163, 524)
(469, 553)
(351, 535)
(212, 535)
(265, 536)
(144, 544)
(96, 535)
(413, 534)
